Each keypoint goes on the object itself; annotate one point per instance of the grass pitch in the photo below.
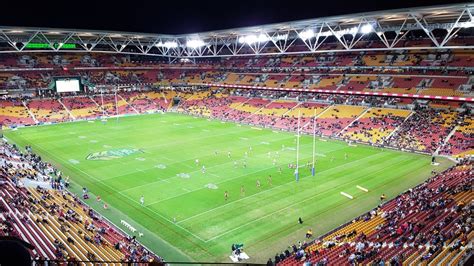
(185, 215)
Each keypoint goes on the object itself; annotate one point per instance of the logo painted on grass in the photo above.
(160, 166)
(183, 175)
(211, 186)
(112, 154)
(73, 161)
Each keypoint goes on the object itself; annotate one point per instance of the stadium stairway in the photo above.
(66, 230)
(29, 112)
(25, 225)
(67, 110)
(370, 228)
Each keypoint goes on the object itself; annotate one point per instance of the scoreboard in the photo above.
(69, 84)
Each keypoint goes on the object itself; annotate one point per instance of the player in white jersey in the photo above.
(142, 200)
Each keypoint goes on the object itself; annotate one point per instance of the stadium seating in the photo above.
(425, 225)
(109, 107)
(335, 118)
(48, 110)
(59, 225)
(13, 112)
(81, 107)
(424, 130)
(375, 125)
(461, 142)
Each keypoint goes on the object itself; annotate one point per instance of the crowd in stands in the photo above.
(57, 222)
(342, 71)
(425, 130)
(429, 223)
(375, 120)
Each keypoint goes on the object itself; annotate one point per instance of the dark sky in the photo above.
(180, 16)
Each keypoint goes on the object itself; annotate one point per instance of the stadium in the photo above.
(338, 140)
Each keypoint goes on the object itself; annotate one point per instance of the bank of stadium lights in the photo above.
(251, 39)
(366, 29)
(196, 43)
(168, 44)
(466, 25)
(309, 33)
(306, 34)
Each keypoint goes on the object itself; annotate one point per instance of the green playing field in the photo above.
(185, 215)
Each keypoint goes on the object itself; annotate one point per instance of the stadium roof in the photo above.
(440, 24)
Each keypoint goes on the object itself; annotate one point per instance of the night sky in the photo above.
(180, 16)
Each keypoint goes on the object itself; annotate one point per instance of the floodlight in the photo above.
(352, 31)
(306, 34)
(280, 37)
(367, 28)
(167, 44)
(195, 43)
(467, 25)
(249, 39)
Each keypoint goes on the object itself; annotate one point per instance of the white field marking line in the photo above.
(181, 162)
(200, 188)
(264, 191)
(166, 158)
(153, 167)
(160, 215)
(139, 170)
(198, 170)
(229, 179)
(124, 195)
(289, 206)
(97, 132)
(191, 140)
(347, 195)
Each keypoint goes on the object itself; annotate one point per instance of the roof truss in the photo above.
(442, 25)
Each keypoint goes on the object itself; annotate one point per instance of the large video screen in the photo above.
(68, 85)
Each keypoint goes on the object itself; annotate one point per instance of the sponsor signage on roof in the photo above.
(38, 45)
